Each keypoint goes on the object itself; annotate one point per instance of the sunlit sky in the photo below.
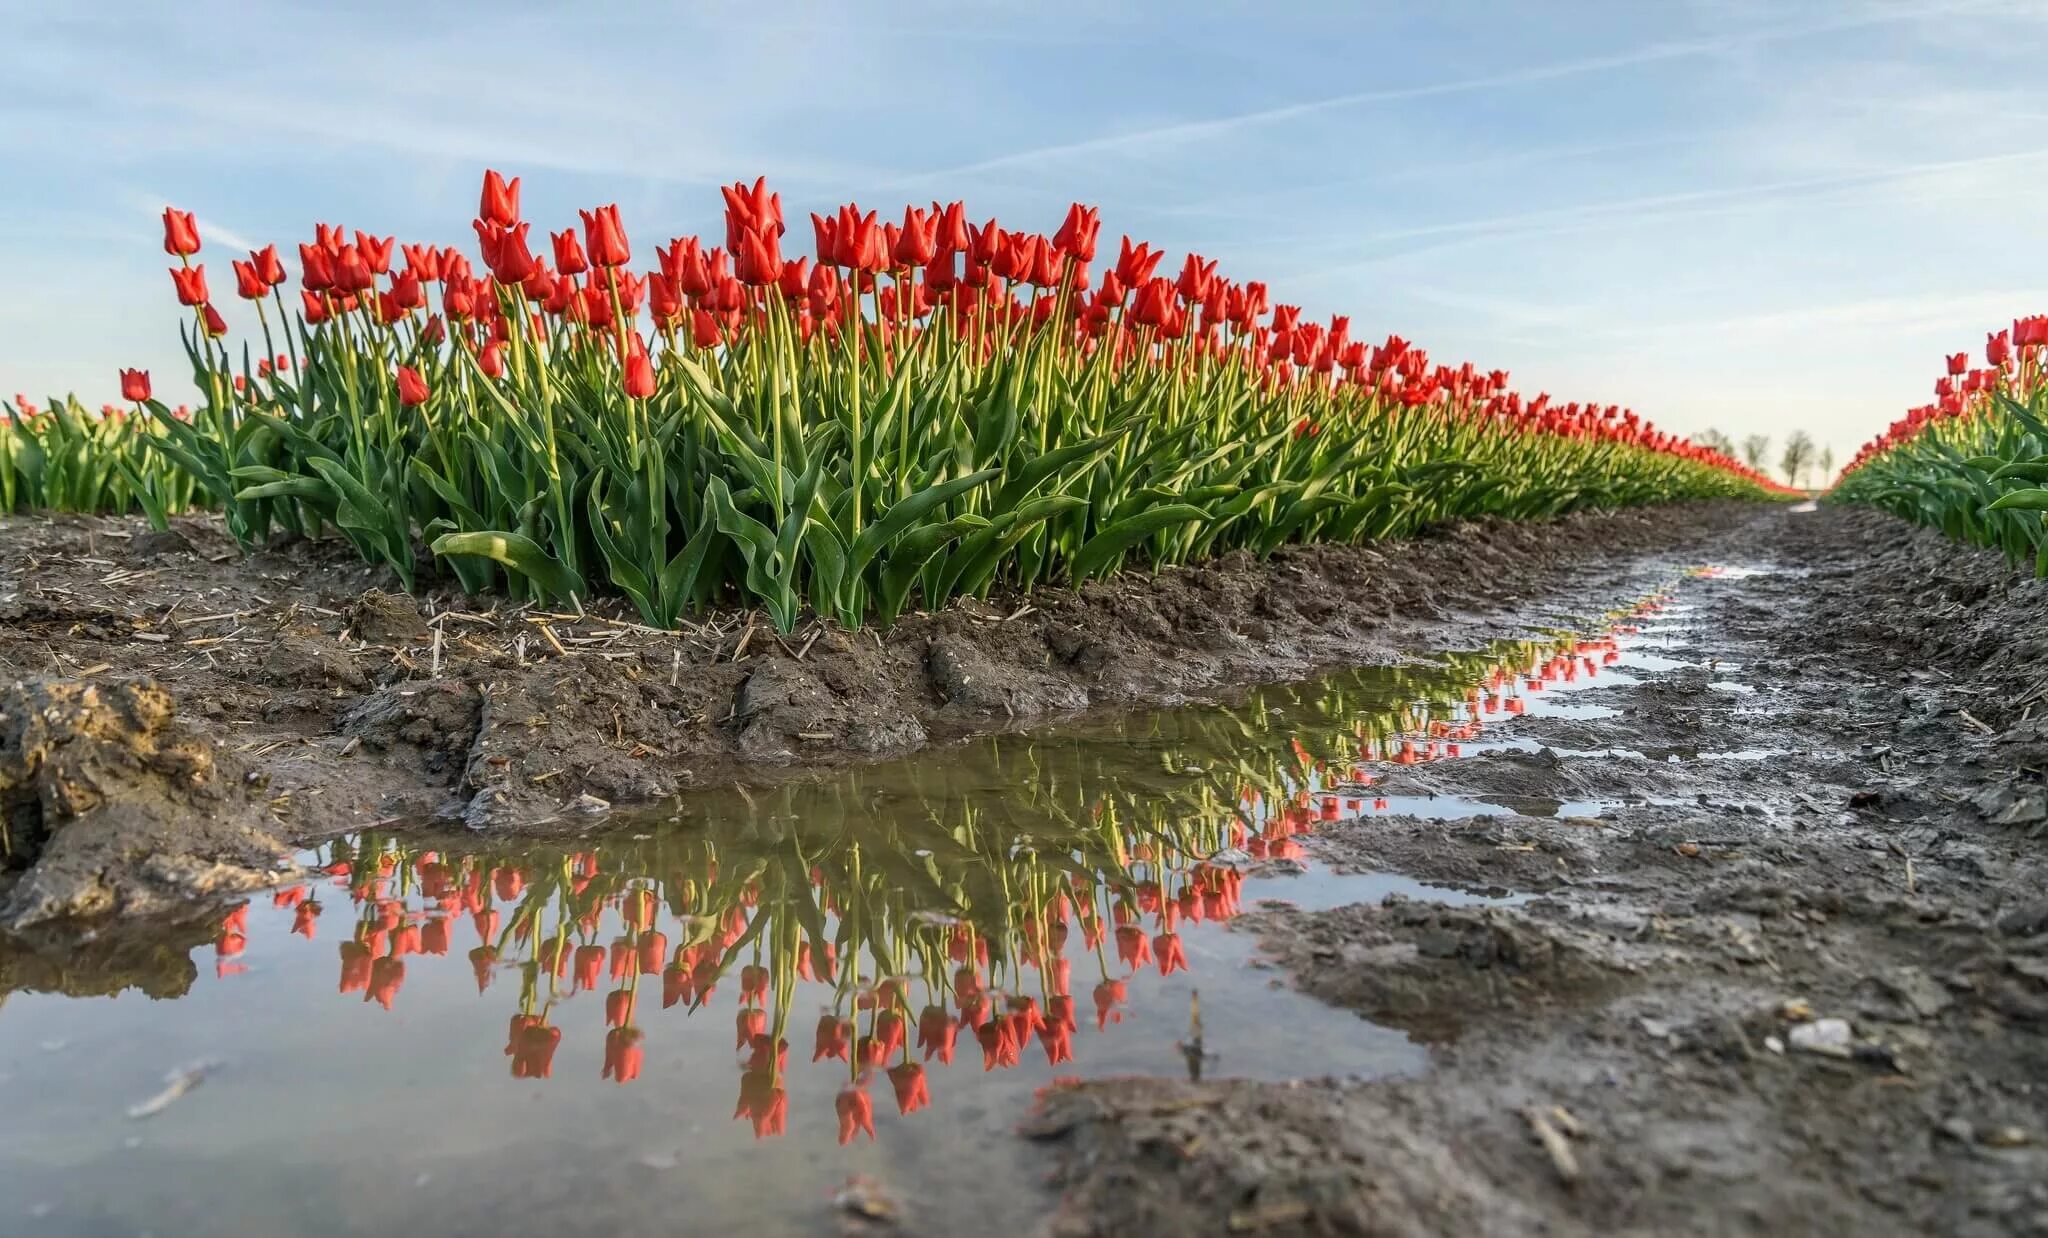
(1746, 214)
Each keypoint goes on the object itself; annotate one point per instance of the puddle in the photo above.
(700, 1012)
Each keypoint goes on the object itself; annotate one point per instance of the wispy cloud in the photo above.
(1188, 131)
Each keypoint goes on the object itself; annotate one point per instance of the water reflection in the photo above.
(895, 926)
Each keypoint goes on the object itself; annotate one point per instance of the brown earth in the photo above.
(215, 705)
(1645, 1044)
(1642, 1048)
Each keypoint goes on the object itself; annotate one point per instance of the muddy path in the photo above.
(177, 714)
(1784, 968)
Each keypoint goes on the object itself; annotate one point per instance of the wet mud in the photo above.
(1792, 975)
(1747, 932)
(320, 701)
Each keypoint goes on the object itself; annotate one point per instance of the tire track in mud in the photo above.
(1792, 978)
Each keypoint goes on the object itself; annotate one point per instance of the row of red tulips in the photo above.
(1974, 462)
(919, 410)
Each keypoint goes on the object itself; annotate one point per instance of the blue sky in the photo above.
(1750, 214)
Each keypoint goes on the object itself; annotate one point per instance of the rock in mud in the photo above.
(387, 619)
(972, 682)
(1428, 968)
(108, 805)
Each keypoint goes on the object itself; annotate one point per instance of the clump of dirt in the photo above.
(1147, 1156)
(107, 804)
(1431, 969)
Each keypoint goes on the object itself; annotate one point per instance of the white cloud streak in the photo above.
(1651, 54)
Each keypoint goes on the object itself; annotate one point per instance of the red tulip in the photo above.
(434, 937)
(753, 209)
(1998, 349)
(351, 273)
(1131, 946)
(999, 1047)
(856, 1114)
(316, 268)
(1108, 996)
(952, 236)
(766, 1105)
(639, 374)
(249, 283)
(757, 261)
(1077, 233)
(606, 237)
(532, 1048)
(216, 326)
(1057, 1039)
(406, 292)
(752, 1022)
(917, 242)
(860, 241)
(483, 963)
(135, 385)
(355, 967)
(1172, 958)
(1134, 265)
(760, 1051)
(650, 951)
(1958, 363)
(568, 253)
(423, 261)
(181, 234)
(500, 203)
(913, 1090)
(834, 1038)
(618, 1007)
(412, 390)
(376, 254)
(937, 1032)
(386, 975)
(190, 283)
(622, 1053)
(492, 360)
(704, 332)
(505, 252)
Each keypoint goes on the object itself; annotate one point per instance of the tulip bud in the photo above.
(181, 234)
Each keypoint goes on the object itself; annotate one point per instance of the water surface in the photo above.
(708, 1017)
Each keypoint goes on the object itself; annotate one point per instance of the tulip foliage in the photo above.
(926, 411)
(64, 458)
(1974, 463)
(872, 926)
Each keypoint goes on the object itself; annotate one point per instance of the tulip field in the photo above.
(1974, 464)
(922, 411)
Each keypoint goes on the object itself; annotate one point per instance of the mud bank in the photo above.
(1787, 970)
(216, 705)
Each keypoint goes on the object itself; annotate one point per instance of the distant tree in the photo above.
(1798, 457)
(1827, 465)
(1754, 448)
(1715, 440)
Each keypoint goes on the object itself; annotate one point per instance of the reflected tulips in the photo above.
(955, 913)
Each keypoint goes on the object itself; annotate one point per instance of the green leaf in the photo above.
(1097, 553)
(906, 512)
(515, 553)
(2022, 500)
